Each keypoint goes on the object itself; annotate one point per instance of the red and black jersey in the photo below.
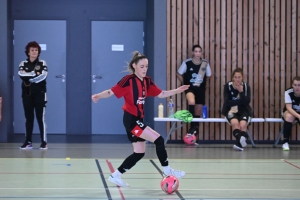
(135, 91)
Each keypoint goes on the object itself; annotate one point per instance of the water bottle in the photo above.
(204, 112)
(160, 110)
(171, 108)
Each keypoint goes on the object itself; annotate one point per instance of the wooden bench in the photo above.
(174, 122)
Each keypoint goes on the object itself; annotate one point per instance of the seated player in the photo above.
(291, 110)
(236, 108)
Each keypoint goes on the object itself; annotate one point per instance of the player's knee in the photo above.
(235, 126)
(236, 133)
(288, 117)
(191, 102)
(159, 142)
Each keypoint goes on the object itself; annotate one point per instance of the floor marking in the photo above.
(144, 189)
(103, 180)
(202, 174)
(111, 168)
(291, 164)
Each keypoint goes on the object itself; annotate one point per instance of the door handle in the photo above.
(60, 76)
(96, 77)
(63, 77)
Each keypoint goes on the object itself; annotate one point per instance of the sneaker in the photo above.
(285, 147)
(44, 145)
(176, 173)
(238, 146)
(243, 141)
(26, 145)
(118, 181)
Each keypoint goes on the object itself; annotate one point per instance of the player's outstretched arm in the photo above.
(101, 95)
(167, 93)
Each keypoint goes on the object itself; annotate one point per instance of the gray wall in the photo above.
(5, 78)
(79, 14)
(159, 34)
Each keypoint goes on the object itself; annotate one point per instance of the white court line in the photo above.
(115, 188)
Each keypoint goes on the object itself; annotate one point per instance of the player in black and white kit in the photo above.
(33, 73)
(291, 110)
(236, 108)
(194, 72)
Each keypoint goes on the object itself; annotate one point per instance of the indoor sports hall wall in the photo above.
(262, 37)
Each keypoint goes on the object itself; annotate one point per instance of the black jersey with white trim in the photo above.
(34, 76)
(231, 98)
(191, 75)
(290, 98)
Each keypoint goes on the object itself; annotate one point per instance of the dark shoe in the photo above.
(44, 145)
(193, 130)
(26, 145)
(238, 146)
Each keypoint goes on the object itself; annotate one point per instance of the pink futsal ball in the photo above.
(189, 139)
(169, 184)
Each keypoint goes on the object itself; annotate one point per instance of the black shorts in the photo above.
(199, 94)
(239, 116)
(134, 127)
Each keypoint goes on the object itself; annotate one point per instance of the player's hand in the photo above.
(182, 88)
(95, 98)
(239, 87)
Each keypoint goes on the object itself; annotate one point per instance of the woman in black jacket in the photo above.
(236, 108)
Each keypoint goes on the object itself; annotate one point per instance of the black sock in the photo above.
(236, 133)
(161, 151)
(192, 111)
(287, 129)
(195, 126)
(130, 161)
(243, 133)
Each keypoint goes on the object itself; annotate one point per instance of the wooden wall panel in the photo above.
(262, 37)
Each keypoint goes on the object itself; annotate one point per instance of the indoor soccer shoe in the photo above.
(44, 145)
(285, 147)
(26, 145)
(118, 181)
(243, 141)
(238, 146)
(176, 173)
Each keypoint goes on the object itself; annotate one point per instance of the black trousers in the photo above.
(37, 103)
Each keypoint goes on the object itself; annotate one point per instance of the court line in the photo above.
(143, 189)
(157, 168)
(103, 180)
(111, 168)
(91, 173)
(192, 160)
(291, 164)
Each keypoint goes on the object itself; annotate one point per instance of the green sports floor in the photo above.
(80, 171)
